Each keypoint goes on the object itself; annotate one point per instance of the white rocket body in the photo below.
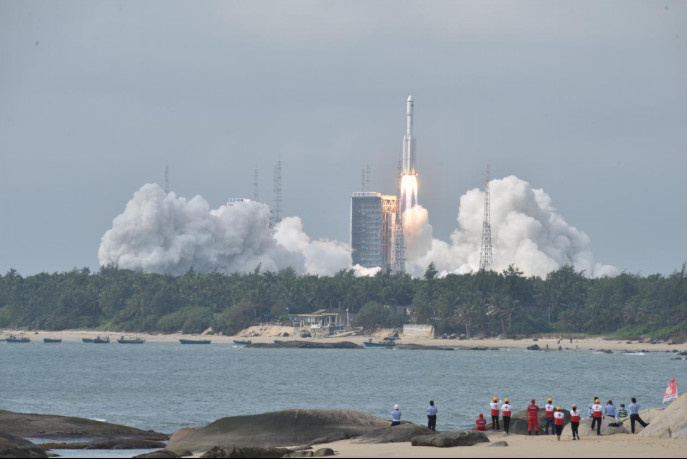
(408, 163)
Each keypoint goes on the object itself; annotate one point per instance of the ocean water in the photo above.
(167, 386)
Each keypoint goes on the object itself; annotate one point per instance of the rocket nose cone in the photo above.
(410, 98)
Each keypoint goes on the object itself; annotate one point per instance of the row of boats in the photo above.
(106, 340)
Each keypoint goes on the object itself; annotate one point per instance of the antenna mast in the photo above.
(486, 257)
(276, 204)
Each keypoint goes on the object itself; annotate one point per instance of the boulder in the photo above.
(282, 428)
(64, 427)
(499, 444)
(324, 452)
(125, 444)
(398, 434)
(451, 439)
(518, 422)
(161, 454)
(12, 446)
(670, 423)
(247, 452)
(606, 428)
(534, 347)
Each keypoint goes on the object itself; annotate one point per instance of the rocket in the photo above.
(408, 161)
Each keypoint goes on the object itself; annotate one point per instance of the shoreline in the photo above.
(267, 334)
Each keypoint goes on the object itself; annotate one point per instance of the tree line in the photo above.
(481, 304)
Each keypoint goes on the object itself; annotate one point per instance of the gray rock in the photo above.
(161, 454)
(323, 452)
(606, 429)
(451, 439)
(398, 434)
(279, 429)
(534, 347)
(302, 454)
(247, 452)
(301, 448)
(518, 422)
(12, 446)
(499, 444)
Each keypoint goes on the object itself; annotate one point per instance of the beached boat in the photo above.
(195, 341)
(18, 339)
(51, 340)
(242, 342)
(385, 343)
(88, 340)
(137, 340)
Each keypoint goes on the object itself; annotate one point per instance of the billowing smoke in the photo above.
(526, 232)
(164, 233)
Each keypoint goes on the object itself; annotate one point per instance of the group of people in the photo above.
(554, 416)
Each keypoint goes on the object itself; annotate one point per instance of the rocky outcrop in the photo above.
(606, 428)
(451, 439)
(534, 347)
(64, 428)
(670, 423)
(282, 428)
(247, 452)
(12, 446)
(398, 434)
(419, 347)
(305, 345)
(161, 454)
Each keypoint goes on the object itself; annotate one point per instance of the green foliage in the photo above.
(479, 304)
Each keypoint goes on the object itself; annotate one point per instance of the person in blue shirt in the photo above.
(396, 416)
(634, 415)
(432, 416)
(610, 410)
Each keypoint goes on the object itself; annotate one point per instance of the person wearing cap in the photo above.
(597, 415)
(559, 419)
(575, 422)
(481, 423)
(432, 416)
(506, 410)
(549, 416)
(396, 416)
(533, 418)
(495, 410)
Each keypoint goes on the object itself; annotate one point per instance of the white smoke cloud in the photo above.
(160, 232)
(526, 231)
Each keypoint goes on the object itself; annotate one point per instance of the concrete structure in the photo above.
(418, 331)
(373, 221)
(318, 319)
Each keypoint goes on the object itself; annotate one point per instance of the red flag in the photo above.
(671, 391)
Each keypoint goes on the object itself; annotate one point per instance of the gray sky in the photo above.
(585, 99)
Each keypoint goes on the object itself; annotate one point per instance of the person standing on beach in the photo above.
(559, 419)
(575, 422)
(597, 415)
(622, 413)
(432, 416)
(549, 416)
(495, 411)
(506, 410)
(610, 410)
(634, 415)
(396, 416)
(533, 418)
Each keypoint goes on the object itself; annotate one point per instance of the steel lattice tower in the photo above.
(486, 256)
(276, 204)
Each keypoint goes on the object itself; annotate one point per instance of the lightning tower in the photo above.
(276, 196)
(486, 256)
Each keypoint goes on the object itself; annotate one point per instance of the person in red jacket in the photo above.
(597, 416)
(575, 422)
(481, 423)
(533, 418)
(559, 421)
(495, 411)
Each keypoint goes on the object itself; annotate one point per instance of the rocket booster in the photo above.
(409, 141)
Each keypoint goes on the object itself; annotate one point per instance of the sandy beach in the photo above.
(523, 446)
(267, 334)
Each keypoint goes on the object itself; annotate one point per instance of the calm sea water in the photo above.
(167, 386)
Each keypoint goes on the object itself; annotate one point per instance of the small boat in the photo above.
(385, 343)
(88, 340)
(51, 340)
(18, 339)
(102, 340)
(137, 340)
(195, 341)
(240, 342)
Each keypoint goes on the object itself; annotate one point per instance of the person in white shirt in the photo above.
(506, 410)
(432, 416)
(396, 416)
(494, 410)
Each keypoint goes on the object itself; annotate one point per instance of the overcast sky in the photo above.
(584, 99)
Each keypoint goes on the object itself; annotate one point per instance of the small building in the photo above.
(318, 319)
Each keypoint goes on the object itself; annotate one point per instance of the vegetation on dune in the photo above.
(484, 303)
